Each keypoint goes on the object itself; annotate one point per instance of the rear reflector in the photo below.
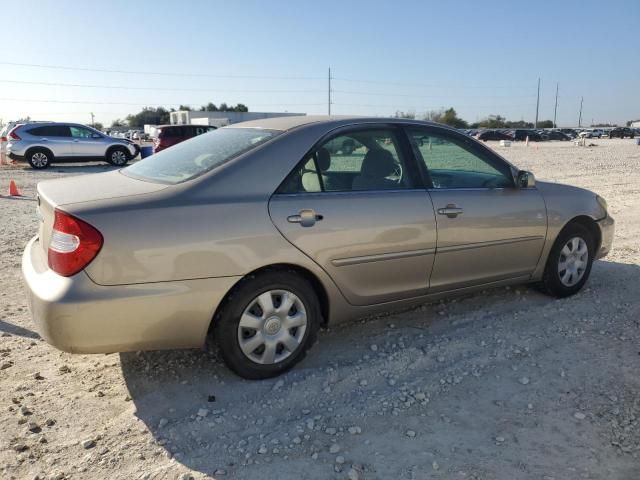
(74, 244)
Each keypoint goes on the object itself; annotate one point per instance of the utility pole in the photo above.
(329, 93)
(537, 103)
(555, 109)
(92, 122)
(580, 116)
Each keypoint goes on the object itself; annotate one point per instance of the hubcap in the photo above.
(574, 259)
(272, 327)
(39, 159)
(118, 157)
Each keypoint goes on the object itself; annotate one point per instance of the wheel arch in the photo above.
(113, 147)
(315, 282)
(39, 147)
(589, 224)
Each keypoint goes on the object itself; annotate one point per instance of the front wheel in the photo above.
(267, 324)
(118, 156)
(569, 263)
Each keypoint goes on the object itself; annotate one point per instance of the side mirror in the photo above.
(96, 135)
(526, 179)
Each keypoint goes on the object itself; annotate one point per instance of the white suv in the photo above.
(40, 144)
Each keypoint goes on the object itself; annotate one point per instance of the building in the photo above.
(220, 119)
(635, 124)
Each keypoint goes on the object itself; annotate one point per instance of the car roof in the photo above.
(291, 122)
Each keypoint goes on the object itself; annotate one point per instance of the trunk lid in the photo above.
(83, 189)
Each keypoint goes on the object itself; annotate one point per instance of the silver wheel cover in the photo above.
(272, 327)
(118, 157)
(573, 261)
(39, 159)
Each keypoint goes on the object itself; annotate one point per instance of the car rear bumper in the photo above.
(607, 230)
(76, 315)
(15, 156)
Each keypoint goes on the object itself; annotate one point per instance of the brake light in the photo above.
(74, 244)
(13, 134)
(3, 139)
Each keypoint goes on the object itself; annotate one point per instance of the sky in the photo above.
(481, 58)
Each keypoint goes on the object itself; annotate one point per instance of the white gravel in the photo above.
(452, 373)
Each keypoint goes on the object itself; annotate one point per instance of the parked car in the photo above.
(521, 134)
(621, 132)
(486, 135)
(41, 144)
(556, 135)
(570, 132)
(255, 235)
(4, 137)
(169, 135)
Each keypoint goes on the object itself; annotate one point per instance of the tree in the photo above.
(209, 107)
(408, 115)
(98, 125)
(241, 107)
(492, 121)
(184, 107)
(150, 116)
(545, 124)
(117, 123)
(447, 117)
(518, 124)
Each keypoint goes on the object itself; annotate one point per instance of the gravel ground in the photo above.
(506, 384)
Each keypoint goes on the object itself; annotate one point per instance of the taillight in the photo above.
(3, 139)
(73, 245)
(13, 134)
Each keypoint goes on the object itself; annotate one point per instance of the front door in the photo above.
(84, 143)
(353, 207)
(488, 230)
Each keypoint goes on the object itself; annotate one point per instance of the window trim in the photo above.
(404, 150)
(470, 145)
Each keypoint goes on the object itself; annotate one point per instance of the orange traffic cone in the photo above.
(13, 189)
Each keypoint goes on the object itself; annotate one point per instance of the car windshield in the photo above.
(199, 155)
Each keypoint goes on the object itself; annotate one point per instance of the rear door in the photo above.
(488, 230)
(361, 215)
(55, 137)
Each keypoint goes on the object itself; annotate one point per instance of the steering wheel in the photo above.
(396, 176)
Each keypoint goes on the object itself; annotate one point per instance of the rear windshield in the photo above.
(199, 155)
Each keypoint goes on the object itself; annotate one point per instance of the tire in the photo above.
(118, 156)
(241, 319)
(559, 284)
(39, 158)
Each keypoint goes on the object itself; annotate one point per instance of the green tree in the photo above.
(118, 123)
(241, 107)
(184, 107)
(447, 117)
(545, 124)
(97, 125)
(150, 116)
(408, 115)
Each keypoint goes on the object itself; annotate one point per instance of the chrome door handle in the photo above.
(451, 211)
(305, 217)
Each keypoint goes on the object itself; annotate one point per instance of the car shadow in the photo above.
(207, 419)
(7, 327)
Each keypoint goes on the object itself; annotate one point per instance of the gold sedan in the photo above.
(260, 233)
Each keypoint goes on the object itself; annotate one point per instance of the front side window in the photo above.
(452, 164)
(353, 161)
(79, 132)
(192, 158)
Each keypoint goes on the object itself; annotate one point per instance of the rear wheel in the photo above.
(39, 158)
(118, 156)
(267, 324)
(569, 263)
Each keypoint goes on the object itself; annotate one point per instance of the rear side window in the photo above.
(190, 159)
(51, 131)
(171, 132)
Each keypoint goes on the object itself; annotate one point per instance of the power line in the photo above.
(123, 87)
(168, 74)
(142, 104)
(382, 94)
(422, 85)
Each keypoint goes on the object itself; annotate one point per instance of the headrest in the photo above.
(378, 163)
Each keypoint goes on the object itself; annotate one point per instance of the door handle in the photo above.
(305, 217)
(451, 211)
